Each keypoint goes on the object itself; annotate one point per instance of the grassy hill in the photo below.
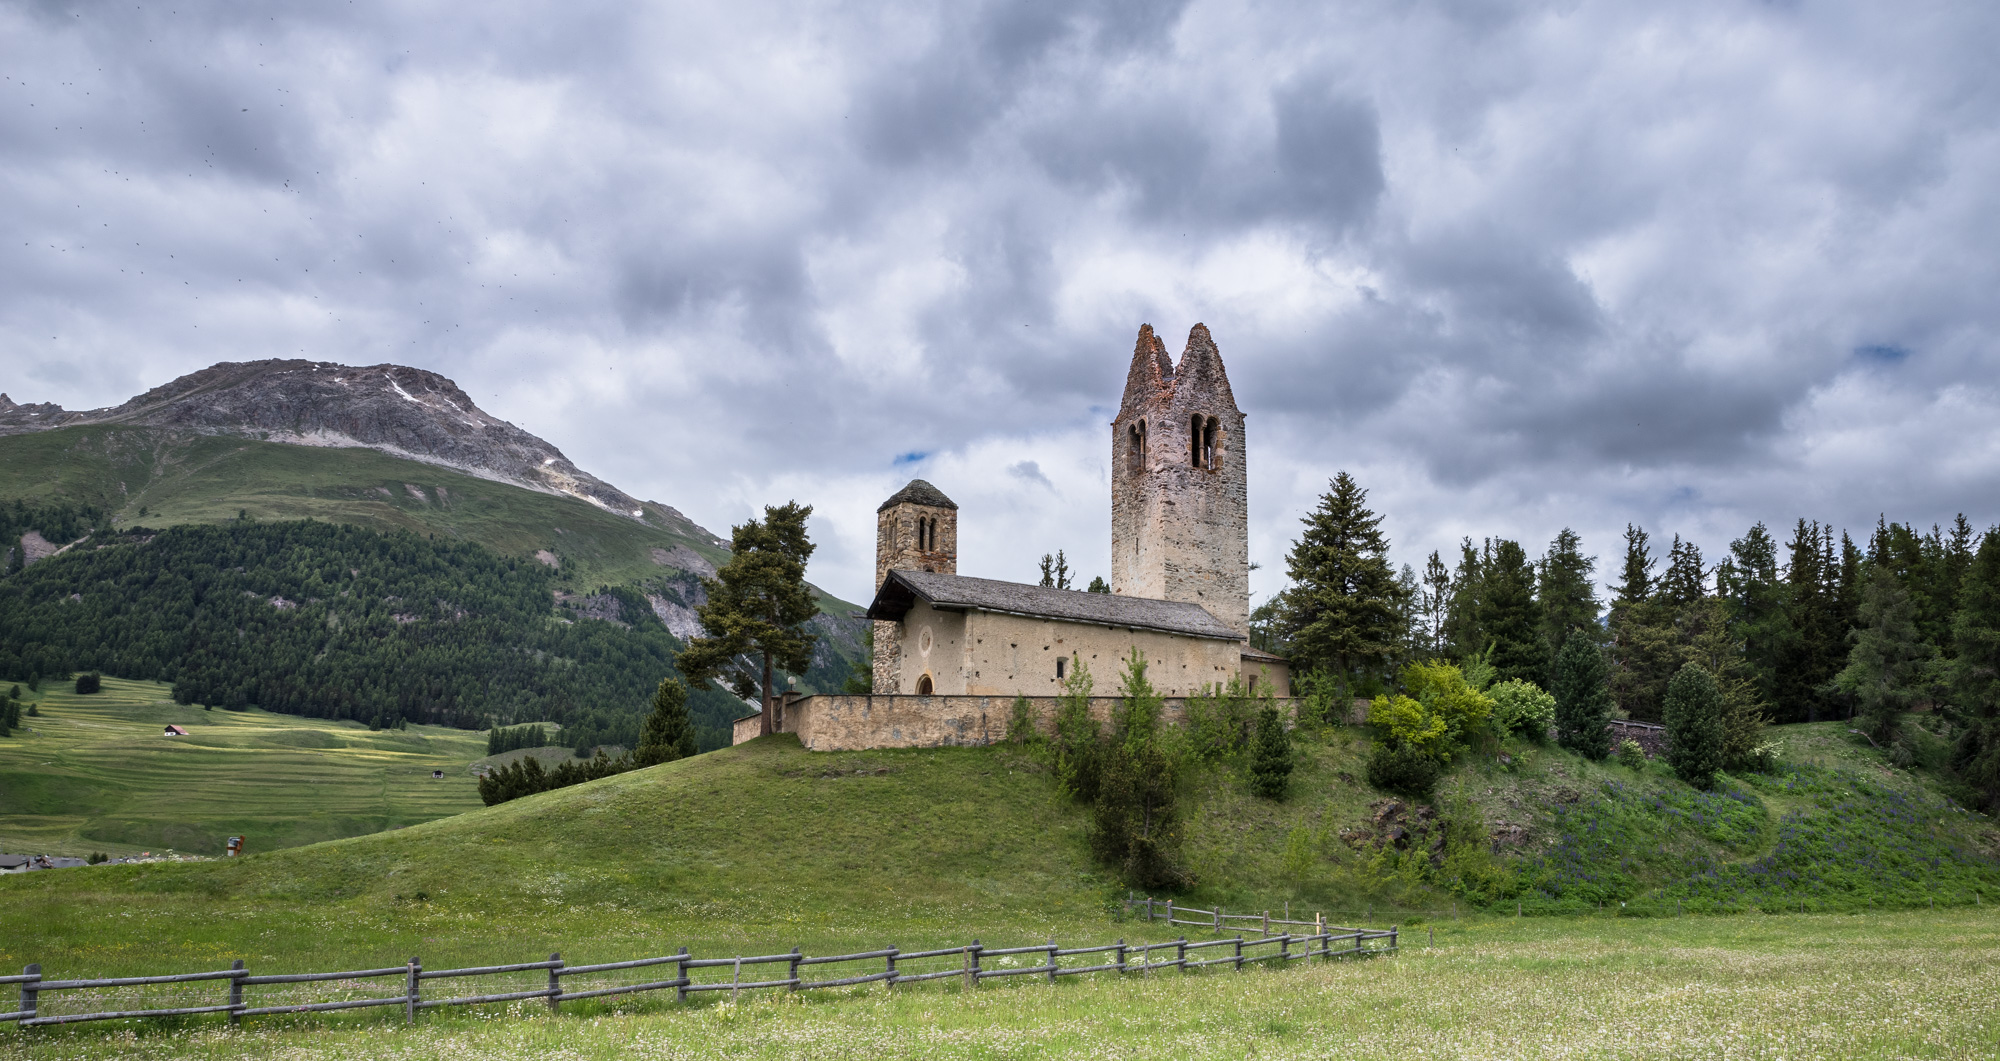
(94, 773)
(765, 846)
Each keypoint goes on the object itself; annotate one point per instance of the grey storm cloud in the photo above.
(1517, 266)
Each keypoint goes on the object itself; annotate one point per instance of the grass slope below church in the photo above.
(95, 773)
(766, 844)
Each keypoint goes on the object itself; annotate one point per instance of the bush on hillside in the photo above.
(1136, 810)
(1074, 750)
(89, 682)
(1521, 707)
(1219, 720)
(669, 732)
(1630, 754)
(1403, 770)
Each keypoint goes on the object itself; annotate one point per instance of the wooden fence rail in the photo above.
(971, 969)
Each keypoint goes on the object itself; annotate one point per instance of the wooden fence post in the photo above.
(29, 992)
(1266, 933)
(236, 995)
(1239, 952)
(1285, 947)
(410, 996)
(1180, 953)
(1218, 919)
(891, 981)
(972, 964)
(555, 984)
(1052, 961)
(1170, 911)
(736, 981)
(681, 989)
(796, 955)
(1121, 954)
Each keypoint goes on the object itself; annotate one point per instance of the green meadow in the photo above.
(762, 847)
(95, 773)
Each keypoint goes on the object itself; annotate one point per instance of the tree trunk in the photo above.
(764, 726)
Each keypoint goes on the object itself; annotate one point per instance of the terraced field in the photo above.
(95, 773)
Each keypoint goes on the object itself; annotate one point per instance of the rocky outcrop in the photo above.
(400, 410)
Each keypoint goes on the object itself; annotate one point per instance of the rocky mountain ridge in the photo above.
(399, 410)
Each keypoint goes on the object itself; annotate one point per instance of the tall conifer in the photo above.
(1975, 673)
(669, 731)
(1509, 618)
(1344, 610)
(1566, 593)
(1693, 715)
(1583, 702)
(758, 603)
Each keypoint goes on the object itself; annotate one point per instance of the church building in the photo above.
(1180, 563)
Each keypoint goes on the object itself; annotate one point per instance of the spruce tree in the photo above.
(1748, 585)
(1636, 574)
(1136, 812)
(1435, 599)
(758, 603)
(1686, 580)
(1810, 632)
(1566, 593)
(1885, 670)
(1583, 702)
(1271, 761)
(1693, 716)
(1460, 630)
(669, 731)
(1975, 673)
(1343, 610)
(1644, 649)
(1509, 618)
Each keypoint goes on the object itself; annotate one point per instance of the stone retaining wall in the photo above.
(850, 723)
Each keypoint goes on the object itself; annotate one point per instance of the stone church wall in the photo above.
(854, 723)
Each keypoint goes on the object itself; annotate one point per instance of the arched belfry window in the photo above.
(1135, 446)
(1201, 442)
(924, 685)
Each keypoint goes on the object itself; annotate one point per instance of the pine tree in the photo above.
(1509, 617)
(669, 732)
(1583, 702)
(1435, 599)
(1098, 585)
(1271, 762)
(1136, 811)
(1693, 716)
(1461, 634)
(1343, 610)
(758, 603)
(1566, 593)
(1809, 635)
(1686, 580)
(1749, 587)
(1975, 673)
(1885, 670)
(1637, 572)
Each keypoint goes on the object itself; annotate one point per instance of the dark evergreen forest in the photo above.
(335, 621)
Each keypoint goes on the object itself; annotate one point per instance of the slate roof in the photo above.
(960, 592)
(920, 493)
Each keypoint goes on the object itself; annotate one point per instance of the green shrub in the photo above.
(1521, 707)
(89, 682)
(1402, 769)
(1021, 724)
(1583, 698)
(1218, 720)
(1630, 754)
(1299, 858)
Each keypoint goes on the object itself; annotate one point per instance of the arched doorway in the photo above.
(924, 685)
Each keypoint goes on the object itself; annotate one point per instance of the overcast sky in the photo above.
(1515, 266)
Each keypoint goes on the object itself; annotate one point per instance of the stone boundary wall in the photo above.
(853, 723)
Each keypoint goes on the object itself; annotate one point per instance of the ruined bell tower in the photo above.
(1180, 522)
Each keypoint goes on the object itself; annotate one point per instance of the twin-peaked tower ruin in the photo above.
(1180, 522)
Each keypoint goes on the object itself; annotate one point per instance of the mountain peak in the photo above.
(404, 411)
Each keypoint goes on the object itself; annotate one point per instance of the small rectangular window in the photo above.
(1061, 665)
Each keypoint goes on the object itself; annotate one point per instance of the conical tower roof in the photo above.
(1151, 375)
(918, 492)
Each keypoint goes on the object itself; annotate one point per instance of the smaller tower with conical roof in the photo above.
(915, 530)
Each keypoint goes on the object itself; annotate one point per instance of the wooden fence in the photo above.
(968, 963)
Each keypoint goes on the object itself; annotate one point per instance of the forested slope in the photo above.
(337, 621)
